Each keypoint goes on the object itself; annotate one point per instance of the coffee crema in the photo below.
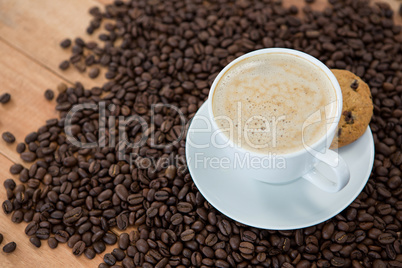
(266, 103)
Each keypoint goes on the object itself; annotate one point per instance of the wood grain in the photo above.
(28, 109)
(37, 27)
(30, 33)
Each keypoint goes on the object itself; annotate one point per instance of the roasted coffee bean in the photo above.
(161, 195)
(72, 215)
(49, 94)
(52, 242)
(122, 221)
(225, 227)
(79, 248)
(16, 169)
(87, 238)
(176, 248)
(109, 238)
(124, 241)
(222, 264)
(94, 72)
(246, 248)
(109, 259)
(28, 156)
(99, 247)
(90, 253)
(84, 227)
(234, 242)
(70, 161)
(35, 241)
(249, 236)
(184, 207)
(64, 65)
(61, 236)
(8, 137)
(4, 98)
(187, 235)
(9, 184)
(142, 245)
(18, 216)
(31, 228)
(7, 207)
(20, 147)
(73, 239)
(65, 43)
(42, 233)
(118, 254)
(211, 240)
(128, 263)
(176, 219)
(135, 199)
(10, 247)
(386, 238)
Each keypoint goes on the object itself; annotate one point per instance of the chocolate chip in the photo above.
(348, 117)
(354, 85)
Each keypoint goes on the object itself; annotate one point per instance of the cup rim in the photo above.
(313, 60)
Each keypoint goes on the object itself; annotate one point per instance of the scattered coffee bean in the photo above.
(64, 65)
(4, 98)
(52, 242)
(16, 169)
(65, 43)
(8, 137)
(10, 247)
(35, 241)
(94, 72)
(62, 87)
(8, 206)
(21, 147)
(49, 94)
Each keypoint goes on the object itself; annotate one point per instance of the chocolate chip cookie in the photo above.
(357, 108)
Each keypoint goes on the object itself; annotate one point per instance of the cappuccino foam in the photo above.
(265, 102)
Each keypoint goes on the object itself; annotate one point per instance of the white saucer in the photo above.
(279, 207)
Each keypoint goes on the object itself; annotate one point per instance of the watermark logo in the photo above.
(127, 134)
(239, 161)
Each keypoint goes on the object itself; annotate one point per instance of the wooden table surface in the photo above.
(30, 33)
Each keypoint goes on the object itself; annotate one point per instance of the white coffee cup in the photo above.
(307, 163)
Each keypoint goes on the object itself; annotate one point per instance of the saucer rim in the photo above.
(290, 226)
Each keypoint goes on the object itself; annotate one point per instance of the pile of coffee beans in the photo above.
(168, 53)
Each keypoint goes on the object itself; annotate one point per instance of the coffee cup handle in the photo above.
(337, 165)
